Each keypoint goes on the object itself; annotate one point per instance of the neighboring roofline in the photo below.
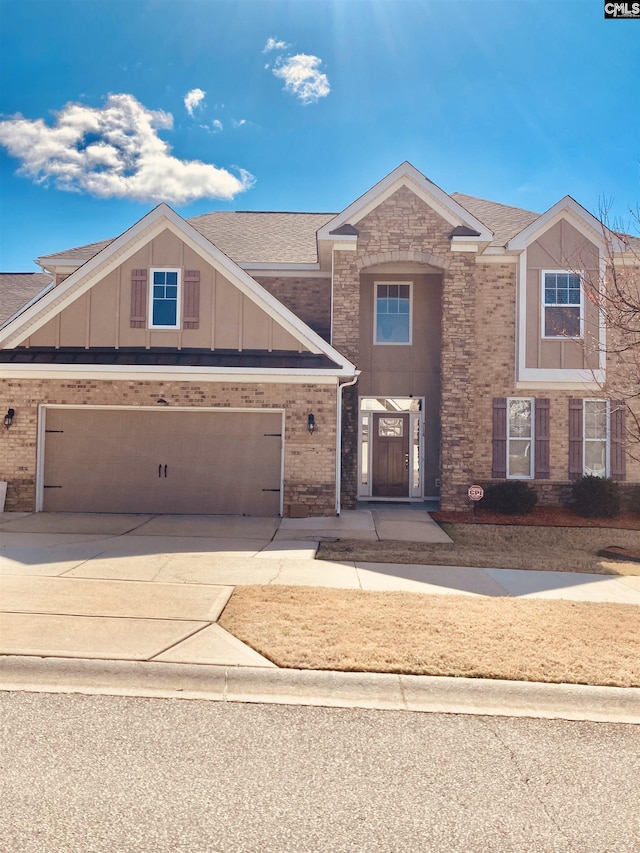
(590, 224)
(125, 245)
(431, 194)
(31, 302)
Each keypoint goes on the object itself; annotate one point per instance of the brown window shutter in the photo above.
(499, 469)
(617, 438)
(576, 466)
(542, 471)
(191, 319)
(138, 319)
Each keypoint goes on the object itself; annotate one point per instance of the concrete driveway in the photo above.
(144, 588)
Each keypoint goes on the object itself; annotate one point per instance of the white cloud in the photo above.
(274, 44)
(115, 152)
(238, 122)
(302, 77)
(216, 125)
(193, 99)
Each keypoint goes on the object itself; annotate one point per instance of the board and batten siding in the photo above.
(114, 312)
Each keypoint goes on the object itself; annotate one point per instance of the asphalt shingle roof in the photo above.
(246, 237)
(18, 288)
(503, 220)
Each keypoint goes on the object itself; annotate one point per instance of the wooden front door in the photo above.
(390, 455)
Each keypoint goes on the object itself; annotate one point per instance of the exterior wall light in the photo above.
(8, 418)
(311, 424)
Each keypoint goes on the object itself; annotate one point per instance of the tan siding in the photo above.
(398, 371)
(227, 319)
(73, 324)
(45, 336)
(167, 250)
(255, 326)
(282, 340)
(226, 315)
(104, 311)
(562, 247)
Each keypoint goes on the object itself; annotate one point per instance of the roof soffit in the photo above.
(123, 247)
(408, 176)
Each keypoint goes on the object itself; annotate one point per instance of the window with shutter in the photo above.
(499, 438)
(191, 299)
(138, 314)
(575, 439)
(519, 437)
(618, 429)
(542, 439)
(165, 298)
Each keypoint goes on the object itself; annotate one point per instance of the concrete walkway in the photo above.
(150, 589)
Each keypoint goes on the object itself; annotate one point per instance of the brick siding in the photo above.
(309, 460)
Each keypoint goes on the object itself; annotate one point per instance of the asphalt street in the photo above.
(91, 774)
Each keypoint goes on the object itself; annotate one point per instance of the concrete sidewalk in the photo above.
(150, 589)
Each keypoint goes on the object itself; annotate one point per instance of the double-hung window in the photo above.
(519, 438)
(164, 305)
(392, 321)
(595, 437)
(562, 315)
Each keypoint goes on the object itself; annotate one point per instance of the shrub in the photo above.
(596, 497)
(513, 497)
(632, 499)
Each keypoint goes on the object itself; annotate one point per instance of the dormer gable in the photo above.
(163, 286)
(408, 176)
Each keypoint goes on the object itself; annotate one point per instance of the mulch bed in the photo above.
(544, 516)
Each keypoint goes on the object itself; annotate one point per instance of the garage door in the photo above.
(162, 461)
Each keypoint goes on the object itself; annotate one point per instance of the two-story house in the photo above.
(293, 363)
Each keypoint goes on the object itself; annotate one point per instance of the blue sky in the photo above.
(107, 108)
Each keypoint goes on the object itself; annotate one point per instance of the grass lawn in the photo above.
(557, 549)
(449, 635)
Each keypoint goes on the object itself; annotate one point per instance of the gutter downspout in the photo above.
(339, 436)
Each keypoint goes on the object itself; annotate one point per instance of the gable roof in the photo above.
(247, 237)
(118, 250)
(406, 175)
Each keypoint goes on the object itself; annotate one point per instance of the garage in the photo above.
(161, 461)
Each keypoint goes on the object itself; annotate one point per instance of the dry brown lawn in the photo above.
(557, 549)
(352, 630)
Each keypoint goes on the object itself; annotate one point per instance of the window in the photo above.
(164, 305)
(519, 438)
(562, 305)
(392, 320)
(595, 432)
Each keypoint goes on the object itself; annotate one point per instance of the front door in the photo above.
(390, 474)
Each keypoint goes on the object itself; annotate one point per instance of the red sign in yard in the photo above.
(475, 493)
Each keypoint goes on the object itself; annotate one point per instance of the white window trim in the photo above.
(178, 323)
(415, 493)
(378, 343)
(607, 443)
(532, 438)
(544, 306)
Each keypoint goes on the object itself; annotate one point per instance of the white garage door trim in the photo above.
(42, 422)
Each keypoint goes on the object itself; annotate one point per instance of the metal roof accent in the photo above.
(167, 357)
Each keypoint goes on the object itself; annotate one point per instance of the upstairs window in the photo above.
(392, 322)
(561, 304)
(164, 305)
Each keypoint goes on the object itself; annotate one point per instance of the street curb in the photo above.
(380, 691)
